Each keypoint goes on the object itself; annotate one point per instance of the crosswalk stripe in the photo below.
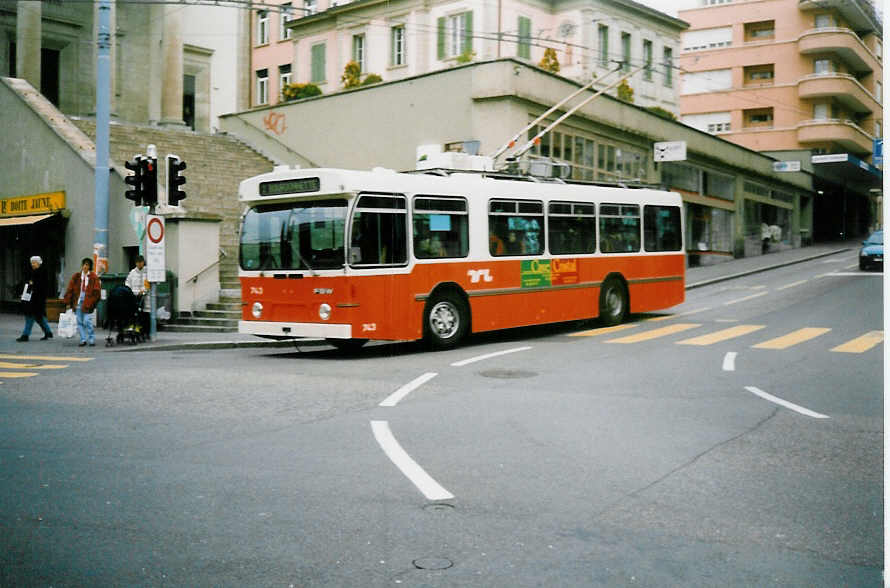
(861, 344)
(45, 357)
(655, 333)
(17, 374)
(722, 335)
(793, 338)
(601, 331)
(33, 366)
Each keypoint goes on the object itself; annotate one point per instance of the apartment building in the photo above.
(313, 40)
(801, 80)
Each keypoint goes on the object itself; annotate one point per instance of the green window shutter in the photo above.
(468, 32)
(440, 32)
(524, 48)
(318, 63)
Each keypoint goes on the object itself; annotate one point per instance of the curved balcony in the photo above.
(842, 87)
(845, 133)
(842, 42)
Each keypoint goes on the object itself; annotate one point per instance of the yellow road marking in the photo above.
(861, 344)
(33, 366)
(723, 335)
(793, 338)
(17, 374)
(655, 333)
(45, 357)
(600, 331)
(661, 317)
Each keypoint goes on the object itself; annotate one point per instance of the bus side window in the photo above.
(441, 227)
(662, 228)
(619, 228)
(514, 227)
(379, 235)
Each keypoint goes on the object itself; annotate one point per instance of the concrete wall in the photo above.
(39, 158)
(193, 249)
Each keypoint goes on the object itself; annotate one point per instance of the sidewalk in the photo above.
(11, 324)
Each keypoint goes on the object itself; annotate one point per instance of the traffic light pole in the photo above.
(152, 153)
(103, 116)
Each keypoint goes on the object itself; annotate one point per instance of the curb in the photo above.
(763, 269)
(296, 343)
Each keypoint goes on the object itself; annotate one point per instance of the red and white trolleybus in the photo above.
(357, 255)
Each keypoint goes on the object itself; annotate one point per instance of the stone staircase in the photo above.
(217, 317)
(216, 166)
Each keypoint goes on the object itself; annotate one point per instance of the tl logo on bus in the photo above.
(480, 275)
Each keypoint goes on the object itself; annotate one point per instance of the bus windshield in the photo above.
(294, 236)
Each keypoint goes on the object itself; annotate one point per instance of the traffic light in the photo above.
(135, 180)
(174, 180)
(149, 181)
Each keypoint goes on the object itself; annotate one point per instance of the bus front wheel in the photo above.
(613, 302)
(446, 321)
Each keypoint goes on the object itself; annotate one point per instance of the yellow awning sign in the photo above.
(31, 205)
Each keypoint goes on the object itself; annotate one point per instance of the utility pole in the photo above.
(103, 115)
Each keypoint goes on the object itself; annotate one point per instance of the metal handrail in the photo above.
(194, 278)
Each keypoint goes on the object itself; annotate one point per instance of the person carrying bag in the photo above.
(34, 302)
(82, 296)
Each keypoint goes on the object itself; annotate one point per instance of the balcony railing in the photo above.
(845, 133)
(841, 41)
(845, 88)
(859, 13)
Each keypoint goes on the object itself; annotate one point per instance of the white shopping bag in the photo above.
(67, 324)
(26, 293)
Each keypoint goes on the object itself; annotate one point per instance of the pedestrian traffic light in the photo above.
(175, 179)
(134, 180)
(149, 181)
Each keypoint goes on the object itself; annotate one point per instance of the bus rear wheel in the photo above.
(347, 345)
(446, 321)
(613, 303)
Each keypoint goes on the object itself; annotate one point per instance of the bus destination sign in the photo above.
(295, 186)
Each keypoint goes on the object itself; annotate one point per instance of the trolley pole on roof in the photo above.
(533, 141)
(103, 110)
(512, 141)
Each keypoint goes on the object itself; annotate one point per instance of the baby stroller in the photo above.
(124, 316)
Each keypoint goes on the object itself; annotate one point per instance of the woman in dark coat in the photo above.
(35, 309)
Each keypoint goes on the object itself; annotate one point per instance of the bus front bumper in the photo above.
(286, 330)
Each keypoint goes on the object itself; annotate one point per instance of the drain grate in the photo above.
(508, 374)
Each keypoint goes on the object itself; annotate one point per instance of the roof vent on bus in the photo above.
(285, 168)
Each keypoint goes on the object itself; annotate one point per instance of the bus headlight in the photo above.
(257, 310)
(324, 311)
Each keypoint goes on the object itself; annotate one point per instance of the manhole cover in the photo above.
(439, 507)
(432, 563)
(508, 374)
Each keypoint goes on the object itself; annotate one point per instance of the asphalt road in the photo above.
(735, 439)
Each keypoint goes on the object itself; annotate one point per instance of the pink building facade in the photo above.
(801, 80)
(400, 39)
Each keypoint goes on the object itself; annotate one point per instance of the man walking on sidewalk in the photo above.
(35, 308)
